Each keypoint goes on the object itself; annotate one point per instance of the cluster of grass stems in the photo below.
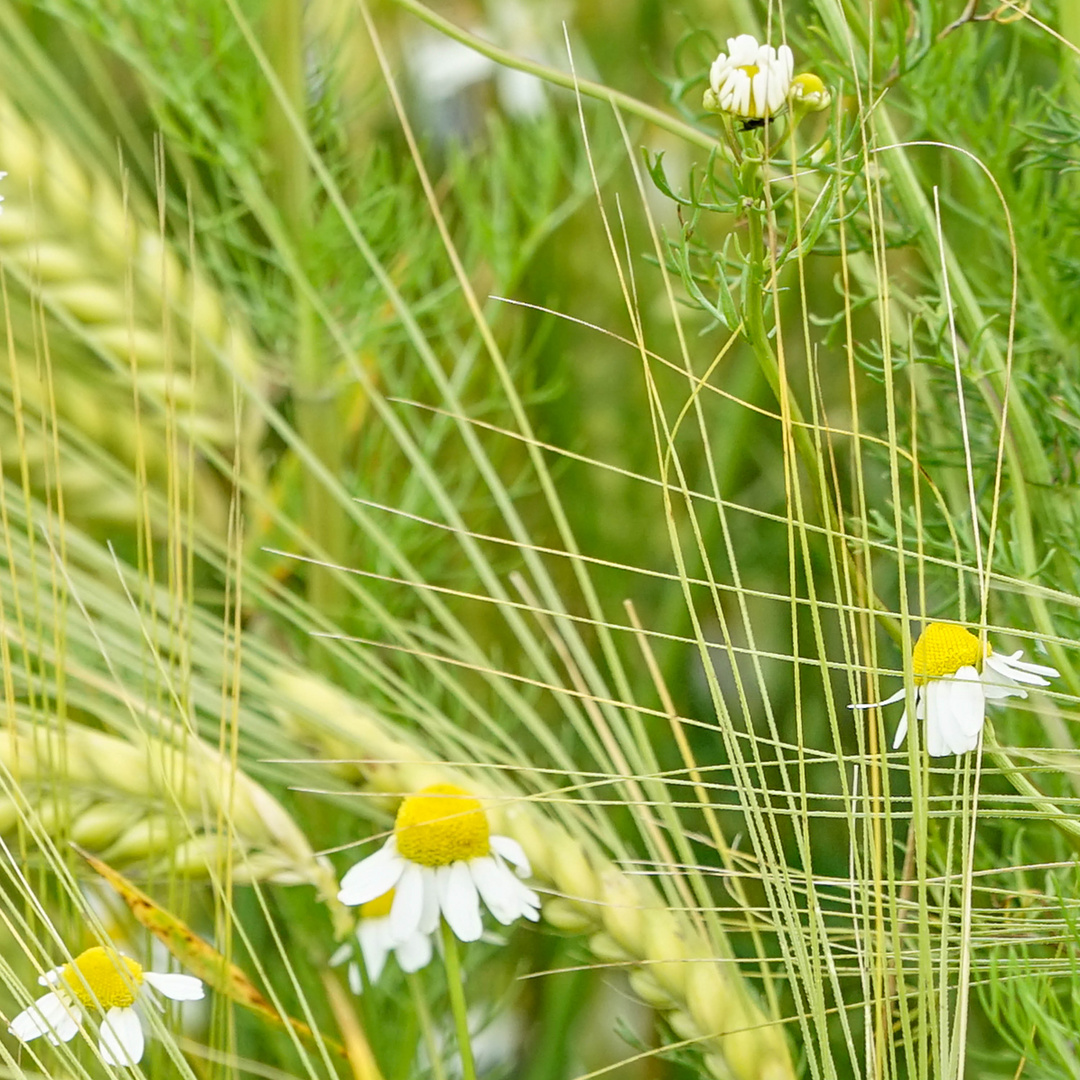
(356, 435)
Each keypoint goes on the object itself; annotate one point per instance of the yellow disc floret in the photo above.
(809, 91)
(440, 825)
(378, 908)
(942, 650)
(102, 977)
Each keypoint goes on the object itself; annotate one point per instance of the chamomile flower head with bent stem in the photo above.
(377, 942)
(100, 980)
(749, 80)
(442, 859)
(954, 679)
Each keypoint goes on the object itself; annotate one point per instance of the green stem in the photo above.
(316, 405)
(423, 1014)
(758, 337)
(457, 1000)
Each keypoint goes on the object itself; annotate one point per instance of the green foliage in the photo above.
(597, 460)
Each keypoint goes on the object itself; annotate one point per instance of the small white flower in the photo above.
(377, 942)
(100, 980)
(951, 691)
(442, 859)
(750, 80)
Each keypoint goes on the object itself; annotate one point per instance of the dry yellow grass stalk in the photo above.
(672, 965)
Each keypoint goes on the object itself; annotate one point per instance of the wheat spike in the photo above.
(125, 314)
(672, 964)
(152, 804)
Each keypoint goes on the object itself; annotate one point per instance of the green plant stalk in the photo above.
(758, 338)
(317, 420)
(423, 1014)
(456, 990)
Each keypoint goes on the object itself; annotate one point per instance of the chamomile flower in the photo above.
(954, 679)
(750, 80)
(102, 980)
(377, 942)
(442, 859)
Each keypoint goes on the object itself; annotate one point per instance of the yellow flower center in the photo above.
(807, 85)
(942, 650)
(102, 977)
(750, 69)
(441, 825)
(378, 908)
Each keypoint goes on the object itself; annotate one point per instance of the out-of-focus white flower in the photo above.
(954, 679)
(750, 80)
(100, 980)
(377, 941)
(443, 859)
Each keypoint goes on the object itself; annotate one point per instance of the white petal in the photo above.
(934, 697)
(901, 732)
(375, 940)
(356, 984)
(497, 888)
(340, 954)
(786, 59)
(740, 102)
(372, 877)
(408, 906)
(513, 853)
(716, 73)
(1037, 669)
(51, 977)
(1017, 671)
(121, 1039)
(459, 901)
(429, 917)
(880, 704)
(50, 1015)
(176, 987)
(415, 953)
(528, 901)
(956, 709)
(968, 706)
(758, 104)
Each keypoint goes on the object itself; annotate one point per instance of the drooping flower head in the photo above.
(100, 980)
(750, 80)
(954, 679)
(442, 859)
(377, 941)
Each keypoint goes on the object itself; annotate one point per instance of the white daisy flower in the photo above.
(954, 679)
(750, 80)
(377, 942)
(443, 859)
(100, 980)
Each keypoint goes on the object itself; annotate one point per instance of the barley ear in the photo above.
(120, 800)
(672, 965)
